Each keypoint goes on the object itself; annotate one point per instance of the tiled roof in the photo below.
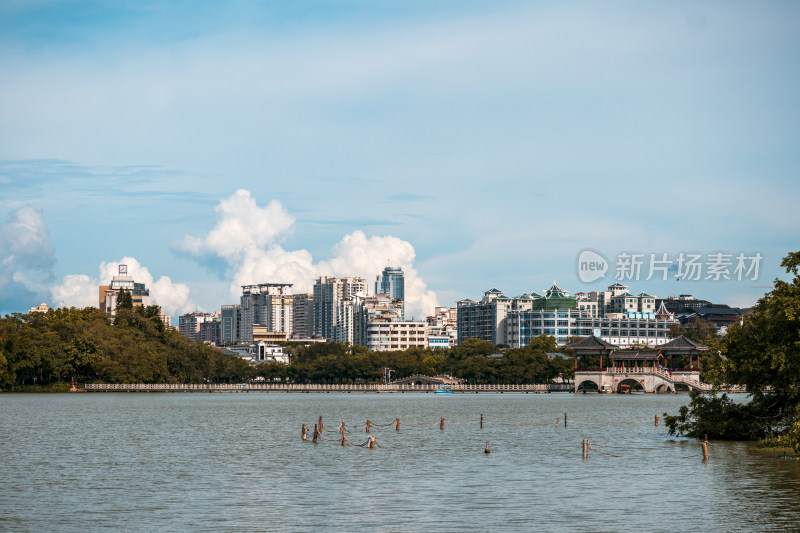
(682, 343)
(591, 343)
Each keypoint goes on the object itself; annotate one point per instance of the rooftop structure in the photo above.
(108, 294)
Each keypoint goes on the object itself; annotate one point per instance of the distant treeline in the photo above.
(49, 350)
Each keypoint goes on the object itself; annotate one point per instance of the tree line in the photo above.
(50, 350)
(346, 363)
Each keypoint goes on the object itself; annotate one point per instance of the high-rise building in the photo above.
(189, 324)
(210, 330)
(231, 317)
(140, 295)
(391, 283)
(333, 306)
(368, 309)
(267, 304)
(303, 320)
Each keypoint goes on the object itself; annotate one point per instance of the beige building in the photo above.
(390, 336)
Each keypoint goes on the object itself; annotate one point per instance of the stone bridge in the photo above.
(651, 380)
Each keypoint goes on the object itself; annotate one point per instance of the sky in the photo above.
(209, 145)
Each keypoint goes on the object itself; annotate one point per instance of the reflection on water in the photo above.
(236, 461)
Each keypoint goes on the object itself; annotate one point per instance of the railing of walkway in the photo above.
(300, 387)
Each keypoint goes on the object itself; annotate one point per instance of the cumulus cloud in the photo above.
(247, 238)
(26, 258)
(80, 290)
(241, 227)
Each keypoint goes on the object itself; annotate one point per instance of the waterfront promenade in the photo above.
(308, 388)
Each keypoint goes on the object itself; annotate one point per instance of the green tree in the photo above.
(763, 354)
(124, 300)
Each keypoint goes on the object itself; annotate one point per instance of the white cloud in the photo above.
(26, 258)
(245, 237)
(241, 226)
(76, 290)
(80, 290)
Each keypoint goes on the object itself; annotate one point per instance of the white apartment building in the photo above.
(267, 304)
(390, 336)
(329, 295)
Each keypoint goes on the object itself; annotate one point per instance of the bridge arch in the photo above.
(635, 385)
(587, 385)
(664, 388)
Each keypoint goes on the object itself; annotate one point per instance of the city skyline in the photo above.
(472, 145)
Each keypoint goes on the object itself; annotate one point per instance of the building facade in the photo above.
(333, 306)
(230, 323)
(391, 283)
(303, 326)
(488, 319)
(189, 324)
(267, 304)
(209, 331)
(614, 315)
(379, 307)
(390, 336)
(140, 295)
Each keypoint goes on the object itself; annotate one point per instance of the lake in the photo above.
(235, 461)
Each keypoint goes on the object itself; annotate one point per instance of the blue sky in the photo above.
(479, 144)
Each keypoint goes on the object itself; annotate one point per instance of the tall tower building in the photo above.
(266, 304)
(231, 320)
(333, 308)
(303, 315)
(391, 283)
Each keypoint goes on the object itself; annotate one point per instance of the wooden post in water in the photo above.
(397, 424)
(368, 424)
(341, 429)
(341, 442)
(656, 420)
(316, 434)
(565, 419)
(304, 432)
(371, 442)
(320, 424)
(487, 450)
(441, 424)
(705, 450)
(481, 420)
(585, 448)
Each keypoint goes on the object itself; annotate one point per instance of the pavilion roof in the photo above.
(591, 343)
(662, 309)
(682, 343)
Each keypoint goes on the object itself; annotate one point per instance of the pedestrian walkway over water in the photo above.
(297, 387)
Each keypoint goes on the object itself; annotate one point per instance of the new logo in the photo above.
(591, 266)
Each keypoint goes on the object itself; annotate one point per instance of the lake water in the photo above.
(175, 462)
